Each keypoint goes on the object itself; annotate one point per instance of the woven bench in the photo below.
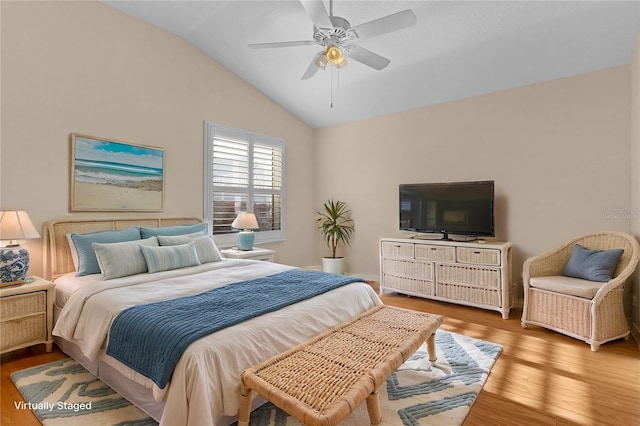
(322, 381)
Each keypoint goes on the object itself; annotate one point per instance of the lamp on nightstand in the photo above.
(14, 260)
(246, 237)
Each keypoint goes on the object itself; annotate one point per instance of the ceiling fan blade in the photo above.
(387, 24)
(282, 44)
(367, 57)
(313, 67)
(317, 12)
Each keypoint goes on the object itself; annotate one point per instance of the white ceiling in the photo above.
(457, 49)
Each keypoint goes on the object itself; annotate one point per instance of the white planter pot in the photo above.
(333, 265)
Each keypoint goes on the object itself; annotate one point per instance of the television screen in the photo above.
(463, 208)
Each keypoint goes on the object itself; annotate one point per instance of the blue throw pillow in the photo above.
(174, 230)
(592, 265)
(87, 261)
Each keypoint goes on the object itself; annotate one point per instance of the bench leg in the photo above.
(245, 406)
(431, 347)
(373, 407)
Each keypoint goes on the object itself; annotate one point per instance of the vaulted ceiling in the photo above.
(457, 49)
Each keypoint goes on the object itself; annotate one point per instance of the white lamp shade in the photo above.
(245, 221)
(16, 225)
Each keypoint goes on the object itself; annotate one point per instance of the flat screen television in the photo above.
(461, 208)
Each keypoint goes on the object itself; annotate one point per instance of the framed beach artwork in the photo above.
(110, 175)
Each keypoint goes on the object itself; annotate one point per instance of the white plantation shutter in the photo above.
(243, 172)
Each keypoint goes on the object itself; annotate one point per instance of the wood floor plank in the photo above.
(541, 377)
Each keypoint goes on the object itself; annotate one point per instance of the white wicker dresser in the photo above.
(467, 273)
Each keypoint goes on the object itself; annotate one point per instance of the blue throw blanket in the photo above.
(151, 338)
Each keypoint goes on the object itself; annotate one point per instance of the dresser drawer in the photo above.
(435, 253)
(22, 331)
(22, 304)
(397, 250)
(408, 268)
(468, 275)
(408, 284)
(478, 256)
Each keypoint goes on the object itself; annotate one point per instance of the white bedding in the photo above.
(67, 284)
(205, 385)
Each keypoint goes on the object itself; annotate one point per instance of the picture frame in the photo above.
(109, 175)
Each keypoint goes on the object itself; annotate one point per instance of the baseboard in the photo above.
(635, 333)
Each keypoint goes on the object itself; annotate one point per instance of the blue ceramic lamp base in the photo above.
(14, 263)
(245, 240)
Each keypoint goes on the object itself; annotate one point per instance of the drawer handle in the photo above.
(434, 248)
(476, 252)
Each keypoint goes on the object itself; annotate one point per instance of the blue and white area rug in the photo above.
(418, 393)
(64, 393)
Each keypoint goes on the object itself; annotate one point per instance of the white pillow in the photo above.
(122, 259)
(205, 247)
(170, 257)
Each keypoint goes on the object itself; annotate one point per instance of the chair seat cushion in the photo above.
(567, 285)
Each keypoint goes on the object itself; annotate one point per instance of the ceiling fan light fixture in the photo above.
(321, 62)
(335, 56)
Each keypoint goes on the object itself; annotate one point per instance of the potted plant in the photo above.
(336, 226)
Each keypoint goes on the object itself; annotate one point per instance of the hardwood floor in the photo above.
(541, 377)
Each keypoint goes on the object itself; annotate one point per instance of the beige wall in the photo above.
(85, 67)
(635, 180)
(558, 152)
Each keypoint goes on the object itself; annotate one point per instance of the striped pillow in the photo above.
(205, 247)
(122, 259)
(170, 257)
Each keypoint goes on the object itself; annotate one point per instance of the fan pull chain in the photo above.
(331, 87)
(337, 78)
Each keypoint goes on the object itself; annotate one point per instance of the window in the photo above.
(244, 171)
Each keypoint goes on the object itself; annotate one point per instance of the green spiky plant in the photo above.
(336, 224)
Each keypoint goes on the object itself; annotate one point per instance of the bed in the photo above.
(204, 387)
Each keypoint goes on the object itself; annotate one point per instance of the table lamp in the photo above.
(246, 237)
(14, 260)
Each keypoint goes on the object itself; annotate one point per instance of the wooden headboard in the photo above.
(57, 255)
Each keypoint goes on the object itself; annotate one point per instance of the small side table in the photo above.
(26, 315)
(256, 254)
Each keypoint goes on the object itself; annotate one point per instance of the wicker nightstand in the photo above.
(255, 254)
(26, 315)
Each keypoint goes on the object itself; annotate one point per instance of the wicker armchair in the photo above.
(595, 320)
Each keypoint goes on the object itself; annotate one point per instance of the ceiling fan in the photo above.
(339, 39)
